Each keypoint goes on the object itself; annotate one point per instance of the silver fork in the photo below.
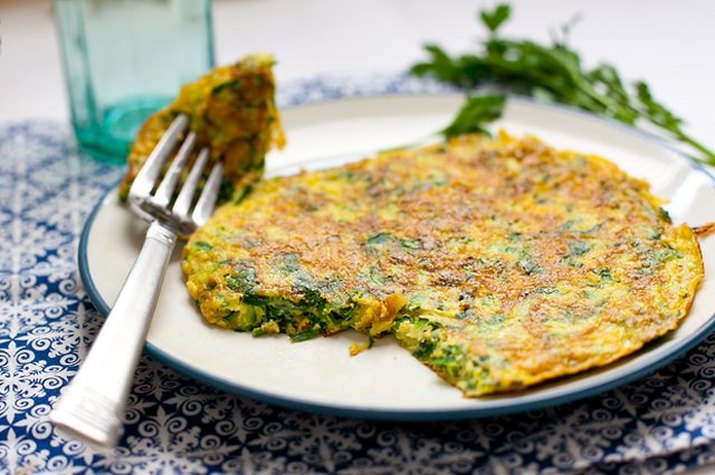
(93, 405)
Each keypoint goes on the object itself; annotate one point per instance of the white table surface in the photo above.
(667, 43)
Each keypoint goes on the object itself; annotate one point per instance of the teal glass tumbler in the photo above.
(125, 59)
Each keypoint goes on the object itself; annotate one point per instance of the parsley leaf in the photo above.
(548, 72)
(475, 112)
(493, 19)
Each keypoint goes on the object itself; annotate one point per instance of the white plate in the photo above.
(387, 382)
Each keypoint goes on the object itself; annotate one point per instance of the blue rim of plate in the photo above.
(640, 371)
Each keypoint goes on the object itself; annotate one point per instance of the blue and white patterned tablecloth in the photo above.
(664, 422)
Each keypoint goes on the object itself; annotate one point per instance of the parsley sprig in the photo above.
(548, 72)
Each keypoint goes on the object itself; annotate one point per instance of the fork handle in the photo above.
(92, 407)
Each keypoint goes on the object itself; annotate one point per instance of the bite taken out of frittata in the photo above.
(499, 263)
(232, 110)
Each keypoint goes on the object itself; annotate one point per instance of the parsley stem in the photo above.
(709, 154)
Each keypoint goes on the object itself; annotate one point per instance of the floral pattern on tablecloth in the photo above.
(662, 423)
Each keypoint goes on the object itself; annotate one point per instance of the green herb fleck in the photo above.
(255, 299)
(603, 273)
(203, 246)
(415, 302)
(291, 263)
(513, 235)
(241, 193)
(376, 239)
(665, 215)
(530, 267)
(243, 278)
(424, 349)
(410, 243)
(370, 341)
(546, 290)
(578, 248)
(654, 234)
(374, 276)
(232, 84)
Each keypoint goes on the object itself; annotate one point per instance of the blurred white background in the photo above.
(667, 43)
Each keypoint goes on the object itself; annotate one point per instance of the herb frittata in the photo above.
(499, 263)
(232, 110)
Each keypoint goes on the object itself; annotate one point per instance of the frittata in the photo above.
(499, 263)
(232, 110)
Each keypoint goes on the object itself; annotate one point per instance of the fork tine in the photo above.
(186, 195)
(149, 172)
(207, 200)
(163, 194)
